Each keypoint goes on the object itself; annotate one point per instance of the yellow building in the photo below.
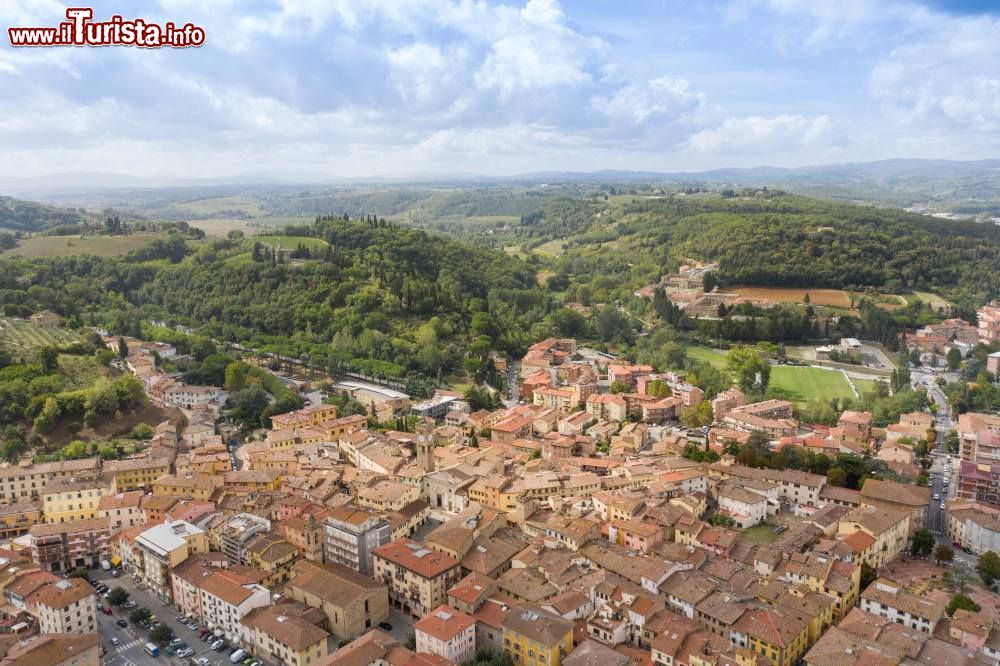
(136, 473)
(23, 482)
(835, 578)
(535, 637)
(68, 501)
(776, 634)
(273, 555)
(495, 492)
(875, 535)
(312, 415)
(15, 519)
(285, 635)
(195, 486)
(252, 480)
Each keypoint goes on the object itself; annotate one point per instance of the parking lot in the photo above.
(129, 651)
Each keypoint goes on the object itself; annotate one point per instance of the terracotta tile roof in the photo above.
(415, 557)
(61, 593)
(444, 623)
(290, 630)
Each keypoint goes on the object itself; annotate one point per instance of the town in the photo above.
(580, 522)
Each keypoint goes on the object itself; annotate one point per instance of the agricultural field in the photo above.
(65, 246)
(835, 298)
(22, 338)
(220, 205)
(802, 384)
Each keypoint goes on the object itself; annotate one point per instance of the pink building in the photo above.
(636, 535)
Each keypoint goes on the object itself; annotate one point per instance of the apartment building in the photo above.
(16, 519)
(887, 599)
(351, 535)
(281, 634)
(875, 535)
(23, 482)
(312, 415)
(894, 496)
(65, 546)
(418, 578)
(535, 637)
(226, 599)
(974, 525)
(164, 546)
(446, 632)
(64, 606)
(237, 533)
(136, 473)
(122, 509)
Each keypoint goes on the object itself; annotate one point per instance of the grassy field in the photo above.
(935, 301)
(22, 337)
(64, 246)
(759, 534)
(713, 358)
(865, 385)
(552, 248)
(291, 242)
(802, 384)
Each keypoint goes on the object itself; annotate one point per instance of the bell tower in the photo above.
(425, 445)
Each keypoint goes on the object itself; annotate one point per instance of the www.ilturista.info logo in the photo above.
(81, 30)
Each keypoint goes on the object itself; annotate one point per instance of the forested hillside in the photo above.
(773, 239)
(366, 295)
(19, 215)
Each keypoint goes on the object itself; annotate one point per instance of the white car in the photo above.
(936, 496)
(942, 505)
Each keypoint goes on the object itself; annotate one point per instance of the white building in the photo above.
(64, 606)
(886, 599)
(224, 602)
(447, 632)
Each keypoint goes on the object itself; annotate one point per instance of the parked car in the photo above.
(222, 647)
(176, 642)
(115, 640)
(192, 625)
(185, 652)
(385, 625)
(202, 661)
(106, 611)
(122, 623)
(115, 573)
(182, 619)
(203, 632)
(217, 644)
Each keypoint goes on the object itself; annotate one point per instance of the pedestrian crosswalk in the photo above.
(122, 647)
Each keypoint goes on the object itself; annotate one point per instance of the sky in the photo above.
(325, 89)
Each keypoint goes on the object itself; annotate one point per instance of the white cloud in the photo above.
(763, 135)
(662, 96)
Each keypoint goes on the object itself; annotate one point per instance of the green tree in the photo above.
(868, 575)
(139, 614)
(162, 634)
(752, 372)
(954, 358)
(961, 601)
(235, 377)
(944, 553)
(697, 416)
(46, 419)
(922, 543)
(48, 357)
(122, 348)
(248, 406)
(837, 477)
(117, 596)
(142, 431)
(988, 567)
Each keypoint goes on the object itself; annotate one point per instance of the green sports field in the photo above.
(802, 384)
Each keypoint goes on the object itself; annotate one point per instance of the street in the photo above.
(130, 651)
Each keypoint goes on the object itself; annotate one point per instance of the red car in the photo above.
(106, 610)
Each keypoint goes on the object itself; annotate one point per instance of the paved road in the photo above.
(130, 652)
